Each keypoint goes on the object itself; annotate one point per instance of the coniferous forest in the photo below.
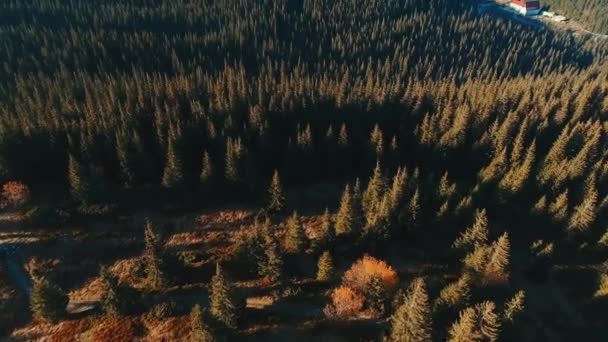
(357, 170)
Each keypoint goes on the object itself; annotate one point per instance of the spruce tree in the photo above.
(223, 304)
(154, 258)
(271, 264)
(514, 307)
(173, 177)
(489, 323)
(295, 241)
(344, 217)
(559, 208)
(207, 175)
(276, 200)
(584, 214)
(325, 267)
(602, 288)
(199, 331)
(372, 196)
(48, 301)
(116, 299)
(456, 294)
(234, 155)
(78, 180)
(413, 214)
(476, 234)
(376, 295)
(465, 328)
(498, 258)
(326, 234)
(412, 321)
(358, 215)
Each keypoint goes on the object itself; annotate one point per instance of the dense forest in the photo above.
(593, 14)
(450, 137)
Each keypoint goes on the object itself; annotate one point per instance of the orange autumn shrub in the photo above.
(14, 194)
(365, 269)
(345, 303)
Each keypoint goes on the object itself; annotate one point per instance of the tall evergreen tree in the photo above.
(79, 180)
(295, 241)
(207, 176)
(155, 265)
(48, 301)
(199, 331)
(116, 299)
(584, 214)
(326, 233)
(372, 196)
(223, 303)
(325, 267)
(412, 320)
(173, 177)
(344, 217)
(476, 234)
(276, 200)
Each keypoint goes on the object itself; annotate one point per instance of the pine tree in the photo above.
(173, 177)
(559, 208)
(296, 236)
(325, 267)
(358, 216)
(412, 321)
(372, 196)
(456, 294)
(464, 329)
(476, 234)
(413, 215)
(376, 294)
(377, 141)
(199, 331)
(154, 258)
(584, 214)
(514, 306)
(48, 301)
(234, 155)
(344, 218)
(445, 189)
(498, 258)
(540, 207)
(207, 175)
(488, 321)
(326, 234)
(79, 181)
(602, 289)
(276, 200)
(116, 299)
(271, 264)
(223, 304)
(126, 159)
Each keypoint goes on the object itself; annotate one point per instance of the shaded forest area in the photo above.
(454, 139)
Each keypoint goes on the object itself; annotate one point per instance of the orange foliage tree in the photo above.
(345, 303)
(365, 269)
(14, 194)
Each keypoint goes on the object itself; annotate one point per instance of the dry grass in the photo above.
(259, 302)
(65, 331)
(91, 291)
(112, 329)
(171, 329)
(225, 218)
(125, 270)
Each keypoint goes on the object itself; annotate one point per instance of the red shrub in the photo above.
(361, 273)
(14, 194)
(345, 303)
